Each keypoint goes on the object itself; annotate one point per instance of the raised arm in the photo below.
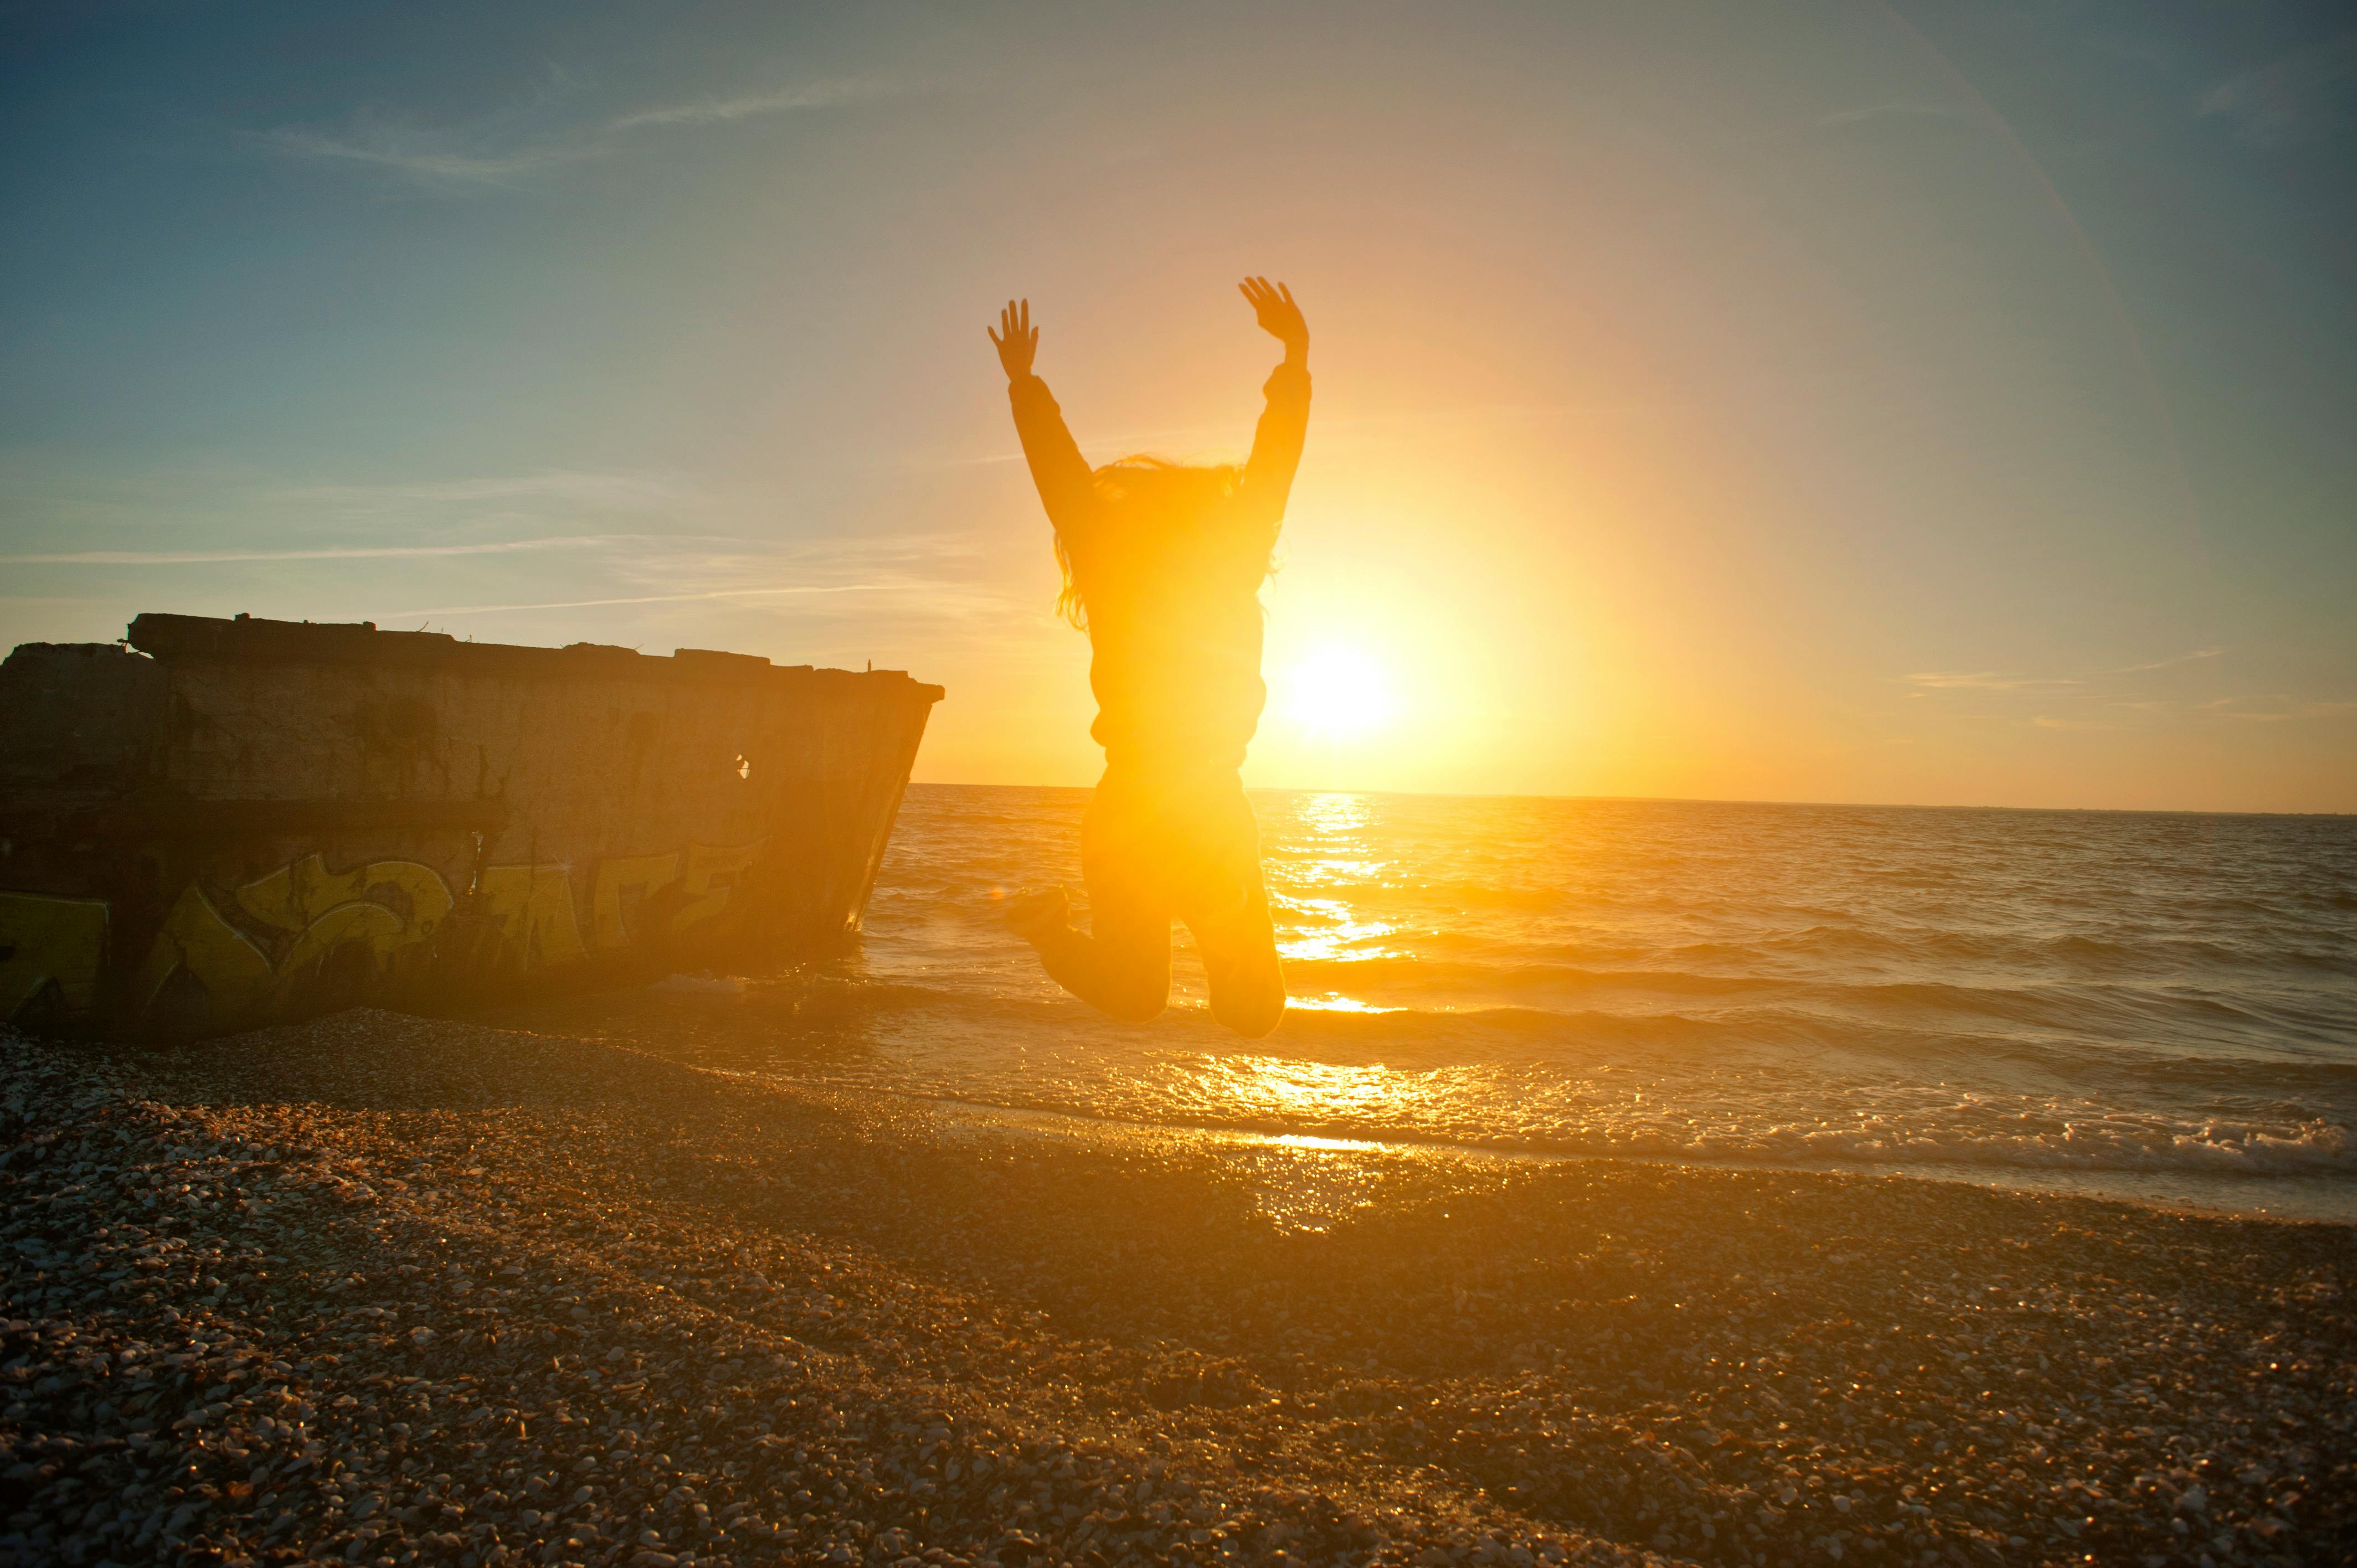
(1285, 423)
(1062, 475)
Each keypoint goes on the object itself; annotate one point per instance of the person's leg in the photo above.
(1227, 909)
(1121, 965)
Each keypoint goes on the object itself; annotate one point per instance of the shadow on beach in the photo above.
(482, 1259)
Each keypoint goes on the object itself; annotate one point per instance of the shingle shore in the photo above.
(382, 1289)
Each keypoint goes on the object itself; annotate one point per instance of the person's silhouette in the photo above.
(1163, 565)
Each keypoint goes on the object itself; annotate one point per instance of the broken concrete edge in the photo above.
(453, 822)
(246, 639)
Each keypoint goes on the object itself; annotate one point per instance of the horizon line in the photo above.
(1698, 801)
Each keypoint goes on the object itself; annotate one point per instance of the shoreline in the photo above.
(2095, 1185)
(390, 1289)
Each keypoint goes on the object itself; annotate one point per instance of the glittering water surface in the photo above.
(2161, 1007)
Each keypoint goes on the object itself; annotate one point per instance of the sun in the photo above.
(1339, 690)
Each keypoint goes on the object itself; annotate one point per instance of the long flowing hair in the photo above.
(1143, 494)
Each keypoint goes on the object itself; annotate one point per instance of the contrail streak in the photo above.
(358, 552)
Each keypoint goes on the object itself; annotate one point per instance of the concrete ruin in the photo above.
(229, 822)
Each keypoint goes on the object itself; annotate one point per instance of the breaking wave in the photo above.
(2116, 994)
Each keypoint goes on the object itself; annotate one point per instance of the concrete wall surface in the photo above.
(231, 822)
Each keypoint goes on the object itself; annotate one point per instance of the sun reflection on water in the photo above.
(1335, 813)
(1333, 1004)
(1343, 936)
(1316, 871)
(1335, 831)
(1292, 1090)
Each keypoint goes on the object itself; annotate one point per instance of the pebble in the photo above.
(387, 1289)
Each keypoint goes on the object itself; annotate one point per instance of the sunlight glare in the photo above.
(1340, 691)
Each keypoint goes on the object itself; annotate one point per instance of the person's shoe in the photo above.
(1035, 911)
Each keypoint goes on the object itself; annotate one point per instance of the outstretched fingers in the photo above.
(1263, 293)
(1015, 338)
(1014, 322)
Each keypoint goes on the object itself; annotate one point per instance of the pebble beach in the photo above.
(388, 1290)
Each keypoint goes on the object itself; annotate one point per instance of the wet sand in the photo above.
(383, 1289)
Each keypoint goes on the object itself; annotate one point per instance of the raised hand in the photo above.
(1278, 316)
(1017, 339)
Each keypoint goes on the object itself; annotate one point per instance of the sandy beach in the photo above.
(390, 1290)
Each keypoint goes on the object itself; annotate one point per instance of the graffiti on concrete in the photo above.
(530, 908)
(639, 896)
(322, 928)
(302, 930)
(708, 877)
(51, 950)
(626, 887)
(199, 952)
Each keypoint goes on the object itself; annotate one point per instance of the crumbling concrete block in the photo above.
(228, 823)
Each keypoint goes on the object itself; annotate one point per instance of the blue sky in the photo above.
(1944, 403)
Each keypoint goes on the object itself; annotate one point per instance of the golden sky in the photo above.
(1858, 403)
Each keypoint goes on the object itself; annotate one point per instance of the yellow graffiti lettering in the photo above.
(196, 944)
(368, 925)
(531, 908)
(711, 875)
(46, 940)
(296, 897)
(647, 874)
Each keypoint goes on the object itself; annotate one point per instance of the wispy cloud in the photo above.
(2302, 97)
(211, 521)
(929, 575)
(651, 599)
(490, 544)
(524, 137)
(753, 105)
(411, 153)
(2091, 683)
(1984, 681)
(2153, 691)
(2196, 656)
(605, 491)
(511, 145)
(349, 552)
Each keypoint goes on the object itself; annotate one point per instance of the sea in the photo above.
(2158, 1007)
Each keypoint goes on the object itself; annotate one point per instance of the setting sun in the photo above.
(1339, 690)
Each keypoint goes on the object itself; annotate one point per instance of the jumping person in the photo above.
(1163, 564)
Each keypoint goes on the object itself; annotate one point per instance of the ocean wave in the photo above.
(1797, 1031)
(2104, 1009)
(2317, 1148)
(1878, 989)
(1406, 974)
